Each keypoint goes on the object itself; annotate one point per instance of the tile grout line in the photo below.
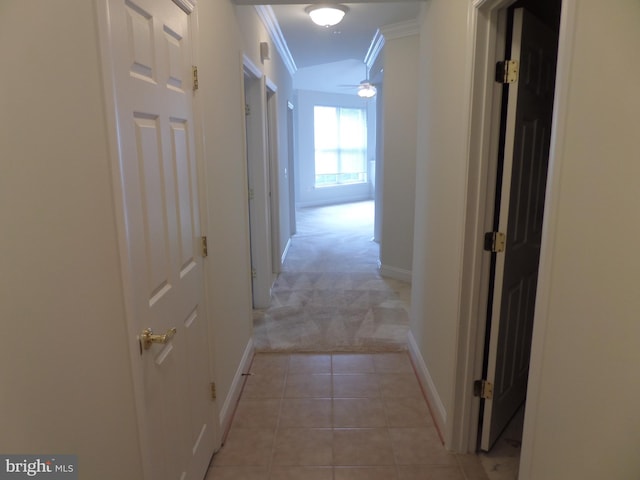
(377, 369)
(277, 428)
(333, 423)
(386, 416)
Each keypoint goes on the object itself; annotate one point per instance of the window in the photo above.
(340, 145)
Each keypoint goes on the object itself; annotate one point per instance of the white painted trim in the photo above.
(550, 224)
(229, 405)
(337, 199)
(285, 252)
(250, 68)
(483, 113)
(400, 29)
(186, 5)
(273, 152)
(395, 272)
(377, 43)
(438, 410)
(270, 22)
(272, 87)
(389, 32)
(258, 174)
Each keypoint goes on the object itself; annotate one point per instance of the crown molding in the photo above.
(377, 42)
(400, 29)
(268, 17)
(186, 5)
(389, 32)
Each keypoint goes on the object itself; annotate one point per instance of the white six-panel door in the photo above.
(150, 45)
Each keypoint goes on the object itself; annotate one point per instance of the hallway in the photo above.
(330, 296)
(336, 417)
(332, 393)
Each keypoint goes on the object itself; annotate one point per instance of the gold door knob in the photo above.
(148, 337)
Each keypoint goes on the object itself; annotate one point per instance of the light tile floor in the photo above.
(336, 417)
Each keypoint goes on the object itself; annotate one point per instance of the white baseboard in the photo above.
(435, 402)
(229, 405)
(286, 251)
(335, 200)
(397, 273)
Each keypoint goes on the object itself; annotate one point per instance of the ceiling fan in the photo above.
(365, 89)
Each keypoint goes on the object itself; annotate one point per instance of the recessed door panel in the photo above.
(141, 44)
(151, 55)
(526, 155)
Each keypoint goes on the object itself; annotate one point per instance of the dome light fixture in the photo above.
(326, 15)
(366, 90)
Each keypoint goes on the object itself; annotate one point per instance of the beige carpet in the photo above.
(330, 296)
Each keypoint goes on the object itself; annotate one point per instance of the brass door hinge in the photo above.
(495, 242)
(204, 248)
(507, 71)
(213, 390)
(194, 70)
(483, 389)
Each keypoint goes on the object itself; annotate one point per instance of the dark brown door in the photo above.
(526, 155)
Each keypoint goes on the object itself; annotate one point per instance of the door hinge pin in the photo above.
(204, 248)
(507, 71)
(194, 70)
(483, 389)
(495, 242)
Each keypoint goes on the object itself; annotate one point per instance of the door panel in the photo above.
(257, 154)
(528, 126)
(151, 52)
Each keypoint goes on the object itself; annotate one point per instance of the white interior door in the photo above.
(259, 188)
(526, 155)
(151, 56)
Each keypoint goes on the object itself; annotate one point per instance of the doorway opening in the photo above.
(530, 32)
(261, 152)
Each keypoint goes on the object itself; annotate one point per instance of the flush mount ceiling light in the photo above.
(326, 15)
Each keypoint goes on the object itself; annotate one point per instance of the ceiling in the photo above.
(334, 55)
(349, 40)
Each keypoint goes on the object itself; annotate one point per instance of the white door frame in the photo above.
(273, 180)
(290, 175)
(257, 156)
(111, 115)
(487, 24)
(486, 46)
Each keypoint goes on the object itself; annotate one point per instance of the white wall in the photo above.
(64, 361)
(440, 198)
(64, 365)
(252, 32)
(306, 192)
(400, 111)
(228, 267)
(331, 77)
(582, 417)
(226, 33)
